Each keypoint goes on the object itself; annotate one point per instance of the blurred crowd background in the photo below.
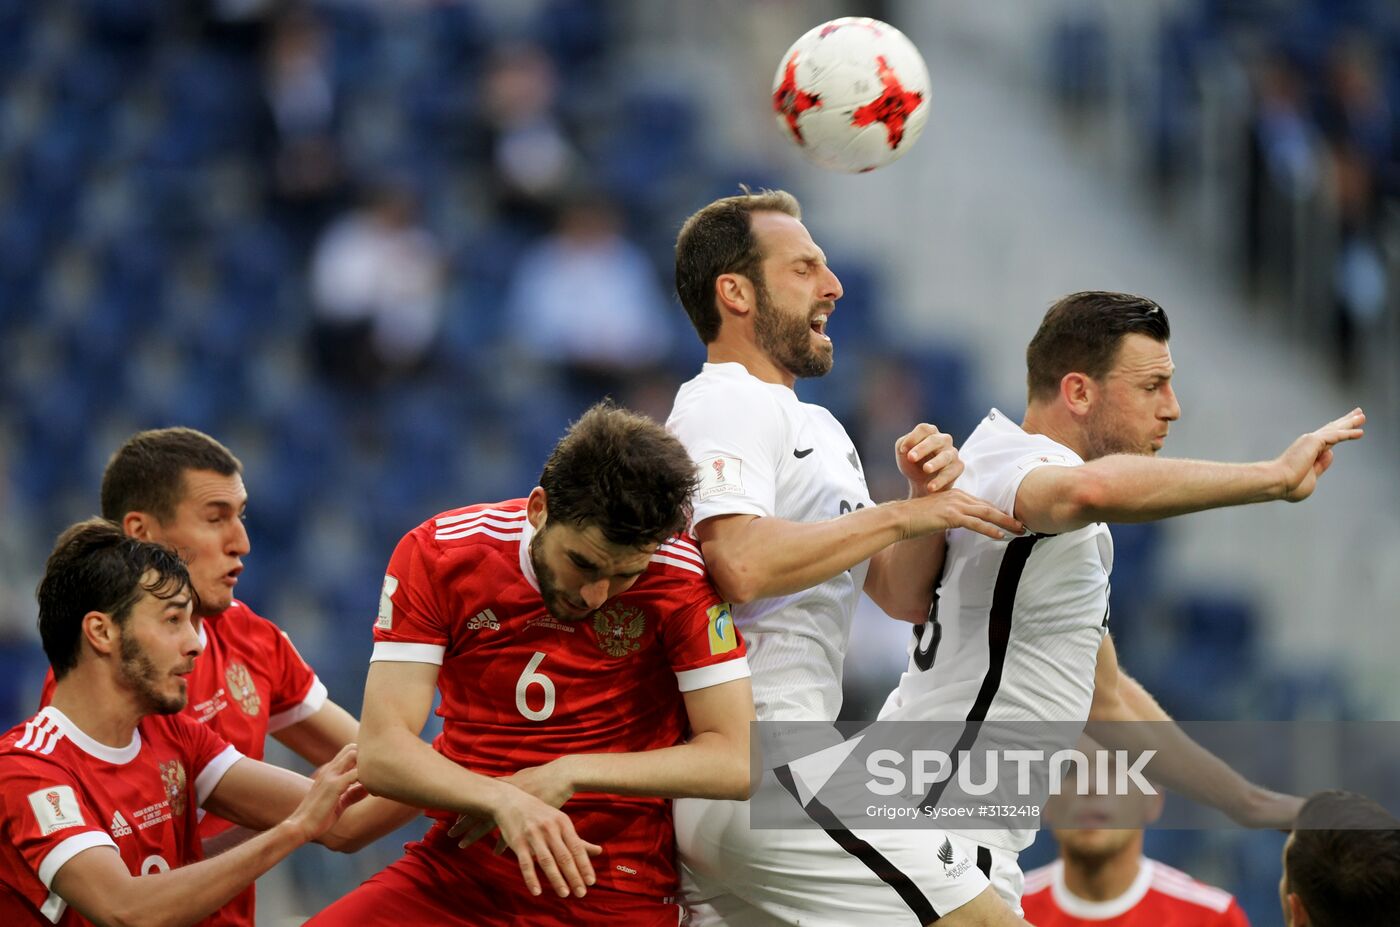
(385, 249)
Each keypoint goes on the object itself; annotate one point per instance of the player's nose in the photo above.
(832, 289)
(595, 594)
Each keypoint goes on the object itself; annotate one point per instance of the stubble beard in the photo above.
(788, 340)
(139, 674)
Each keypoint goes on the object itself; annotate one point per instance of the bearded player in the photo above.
(100, 791)
(181, 487)
(584, 661)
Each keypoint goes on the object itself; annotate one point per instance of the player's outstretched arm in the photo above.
(396, 763)
(98, 885)
(985, 910)
(1136, 488)
(1123, 716)
(753, 557)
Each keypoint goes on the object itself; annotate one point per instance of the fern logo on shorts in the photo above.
(947, 857)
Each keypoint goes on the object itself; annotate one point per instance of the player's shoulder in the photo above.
(474, 528)
(678, 558)
(727, 390)
(1181, 887)
(998, 440)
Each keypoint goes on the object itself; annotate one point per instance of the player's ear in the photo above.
(1297, 914)
(536, 508)
(734, 294)
(1078, 392)
(138, 525)
(101, 632)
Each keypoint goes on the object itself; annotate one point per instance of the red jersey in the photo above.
(249, 682)
(1160, 896)
(61, 792)
(520, 687)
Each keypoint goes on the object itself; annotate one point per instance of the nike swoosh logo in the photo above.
(800, 454)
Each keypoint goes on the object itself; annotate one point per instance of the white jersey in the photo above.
(762, 451)
(1020, 620)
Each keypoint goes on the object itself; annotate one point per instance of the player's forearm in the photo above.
(710, 765)
(399, 766)
(188, 894)
(365, 822)
(772, 557)
(1133, 721)
(1135, 488)
(902, 577)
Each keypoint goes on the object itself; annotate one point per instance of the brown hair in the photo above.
(622, 472)
(94, 567)
(1081, 334)
(147, 473)
(719, 239)
(1343, 862)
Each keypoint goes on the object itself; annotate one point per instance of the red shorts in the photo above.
(436, 882)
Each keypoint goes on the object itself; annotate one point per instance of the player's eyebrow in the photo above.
(178, 603)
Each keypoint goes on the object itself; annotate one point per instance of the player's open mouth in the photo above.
(231, 577)
(819, 325)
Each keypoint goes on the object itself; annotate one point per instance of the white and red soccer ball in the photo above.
(852, 94)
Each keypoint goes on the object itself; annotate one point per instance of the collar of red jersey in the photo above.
(117, 756)
(527, 532)
(1075, 906)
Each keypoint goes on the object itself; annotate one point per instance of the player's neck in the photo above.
(1104, 880)
(736, 351)
(1042, 421)
(101, 709)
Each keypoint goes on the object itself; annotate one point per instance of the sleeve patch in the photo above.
(386, 603)
(56, 808)
(1040, 460)
(722, 636)
(719, 475)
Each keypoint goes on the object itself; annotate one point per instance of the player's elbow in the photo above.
(739, 581)
(374, 766)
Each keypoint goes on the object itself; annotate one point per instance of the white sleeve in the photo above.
(999, 478)
(735, 438)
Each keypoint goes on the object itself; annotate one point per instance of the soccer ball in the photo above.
(852, 94)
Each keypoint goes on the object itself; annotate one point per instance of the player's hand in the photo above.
(953, 508)
(1309, 457)
(550, 783)
(927, 459)
(544, 836)
(334, 787)
(1265, 809)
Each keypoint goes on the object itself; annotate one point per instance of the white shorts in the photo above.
(738, 876)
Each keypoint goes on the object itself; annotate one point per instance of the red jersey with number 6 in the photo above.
(61, 793)
(520, 687)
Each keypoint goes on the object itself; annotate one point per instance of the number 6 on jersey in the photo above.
(530, 678)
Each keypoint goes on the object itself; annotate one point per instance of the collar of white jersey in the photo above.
(527, 568)
(1075, 906)
(117, 756)
(734, 370)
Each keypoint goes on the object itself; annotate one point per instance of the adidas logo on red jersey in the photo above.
(484, 619)
(119, 826)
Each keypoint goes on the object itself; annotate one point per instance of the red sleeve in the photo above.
(296, 692)
(46, 816)
(1234, 916)
(209, 755)
(411, 625)
(702, 643)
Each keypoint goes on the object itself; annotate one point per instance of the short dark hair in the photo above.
(622, 472)
(1343, 862)
(95, 567)
(1082, 332)
(719, 239)
(147, 473)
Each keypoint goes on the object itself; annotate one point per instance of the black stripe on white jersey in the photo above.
(1013, 563)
